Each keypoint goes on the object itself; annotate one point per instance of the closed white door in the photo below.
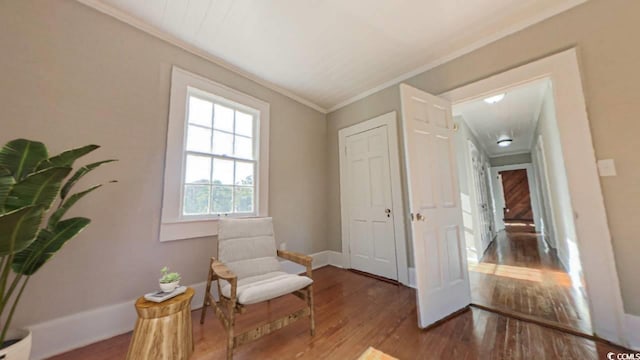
(371, 231)
(436, 226)
(482, 206)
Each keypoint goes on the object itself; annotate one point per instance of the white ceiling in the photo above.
(516, 117)
(326, 53)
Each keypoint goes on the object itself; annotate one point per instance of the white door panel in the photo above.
(440, 258)
(371, 228)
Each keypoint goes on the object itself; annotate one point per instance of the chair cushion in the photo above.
(264, 287)
(247, 246)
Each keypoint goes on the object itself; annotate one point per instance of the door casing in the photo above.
(593, 234)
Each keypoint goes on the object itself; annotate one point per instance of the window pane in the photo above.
(222, 172)
(244, 199)
(244, 124)
(198, 139)
(243, 147)
(200, 111)
(222, 143)
(244, 173)
(196, 199)
(221, 199)
(223, 118)
(198, 170)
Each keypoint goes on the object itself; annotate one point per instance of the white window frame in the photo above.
(174, 225)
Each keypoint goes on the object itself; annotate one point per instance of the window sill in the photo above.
(192, 228)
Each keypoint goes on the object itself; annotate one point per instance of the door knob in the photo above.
(420, 217)
(387, 211)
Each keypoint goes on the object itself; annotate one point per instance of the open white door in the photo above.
(436, 218)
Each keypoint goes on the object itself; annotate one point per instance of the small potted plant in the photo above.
(169, 280)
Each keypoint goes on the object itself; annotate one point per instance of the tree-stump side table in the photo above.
(163, 330)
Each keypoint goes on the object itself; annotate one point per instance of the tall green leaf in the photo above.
(39, 188)
(67, 204)
(6, 181)
(18, 229)
(28, 261)
(21, 156)
(79, 174)
(66, 158)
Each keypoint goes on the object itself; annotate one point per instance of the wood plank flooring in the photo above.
(520, 273)
(354, 312)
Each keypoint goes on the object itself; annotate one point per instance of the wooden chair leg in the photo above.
(205, 302)
(230, 332)
(311, 310)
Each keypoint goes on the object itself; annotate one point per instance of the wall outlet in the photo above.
(283, 246)
(607, 167)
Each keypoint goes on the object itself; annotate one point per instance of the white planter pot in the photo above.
(169, 287)
(20, 350)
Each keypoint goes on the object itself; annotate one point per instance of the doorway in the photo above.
(438, 248)
(517, 212)
(373, 234)
(521, 272)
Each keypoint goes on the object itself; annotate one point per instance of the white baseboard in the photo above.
(632, 324)
(77, 330)
(335, 259)
(70, 332)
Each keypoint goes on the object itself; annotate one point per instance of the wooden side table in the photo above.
(163, 330)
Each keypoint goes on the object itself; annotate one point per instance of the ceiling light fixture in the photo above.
(494, 99)
(505, 142)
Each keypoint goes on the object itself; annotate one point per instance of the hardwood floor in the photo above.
(354, 312)
(520, 273)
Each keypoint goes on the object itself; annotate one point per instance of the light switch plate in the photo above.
(607, 167)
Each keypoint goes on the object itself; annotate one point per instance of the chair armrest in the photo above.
(295, 257)
(304, 260)
(221, 271)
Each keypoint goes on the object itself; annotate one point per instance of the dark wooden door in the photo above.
(517, 200)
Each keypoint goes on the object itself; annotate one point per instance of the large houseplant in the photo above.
(32, 230)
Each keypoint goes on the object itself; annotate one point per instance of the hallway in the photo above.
(520, 273)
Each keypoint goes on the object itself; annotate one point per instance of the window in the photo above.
(220, 159)
(217, 157)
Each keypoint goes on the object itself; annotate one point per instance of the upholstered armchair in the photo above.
(247, 272)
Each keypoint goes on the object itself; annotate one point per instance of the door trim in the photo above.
(388, 120)
(592, 228)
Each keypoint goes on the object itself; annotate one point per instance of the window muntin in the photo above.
(220, 158)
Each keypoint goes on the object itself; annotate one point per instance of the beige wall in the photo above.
(605, 33)
(510, 159)
(560, 207)
(73, 76)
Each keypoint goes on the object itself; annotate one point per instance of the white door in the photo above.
(482, 206)
(371, 232)
(436, 227)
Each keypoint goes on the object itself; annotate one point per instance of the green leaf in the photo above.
(18, 229)
(79, 174)
(22, 156)
(48, 242)
(66, 158)
(39, 188)
(6, 182)
(64, 207)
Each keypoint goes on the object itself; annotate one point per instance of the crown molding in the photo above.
(541, 16)
(163, 35)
